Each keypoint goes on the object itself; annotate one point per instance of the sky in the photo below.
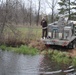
(48, 9)
(45, 7)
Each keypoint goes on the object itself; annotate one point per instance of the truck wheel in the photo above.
(73, 45)
(70, 46)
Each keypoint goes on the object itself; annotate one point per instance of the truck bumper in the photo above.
(56, 42)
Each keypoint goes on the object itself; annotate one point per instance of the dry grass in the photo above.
(24, 35)
(37, 44)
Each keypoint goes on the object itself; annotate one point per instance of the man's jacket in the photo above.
(44, 23)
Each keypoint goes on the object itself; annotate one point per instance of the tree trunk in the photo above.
(69, 11)
(38, 12)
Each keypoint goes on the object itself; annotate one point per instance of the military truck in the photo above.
(61, 32)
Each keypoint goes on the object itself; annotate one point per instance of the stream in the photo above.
(15, 64)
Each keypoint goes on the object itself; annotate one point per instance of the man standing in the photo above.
(44, 28)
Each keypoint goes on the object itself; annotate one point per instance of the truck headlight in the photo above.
(49, 34)
(60, 35)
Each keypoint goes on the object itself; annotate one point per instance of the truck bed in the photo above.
(60, 42)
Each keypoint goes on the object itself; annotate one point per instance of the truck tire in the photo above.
(72, 45)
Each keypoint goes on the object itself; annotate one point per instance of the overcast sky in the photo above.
(48, 9)
(44, 5)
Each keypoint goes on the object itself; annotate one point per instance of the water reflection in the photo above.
(14, 64)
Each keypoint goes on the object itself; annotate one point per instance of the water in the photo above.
(14, 64)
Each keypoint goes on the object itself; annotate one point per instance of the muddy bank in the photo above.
(41, 46)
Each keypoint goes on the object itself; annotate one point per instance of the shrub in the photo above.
(3, 47)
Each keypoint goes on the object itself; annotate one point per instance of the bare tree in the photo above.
(15, 12)
(30, 13)
(39, 2)
(52, 6)
(4, 17)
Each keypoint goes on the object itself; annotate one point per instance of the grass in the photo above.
(3, 47)
(34, 33)
(21, 50)
(23, 35)
(60, 57)
(26, 50)
(74, 61)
